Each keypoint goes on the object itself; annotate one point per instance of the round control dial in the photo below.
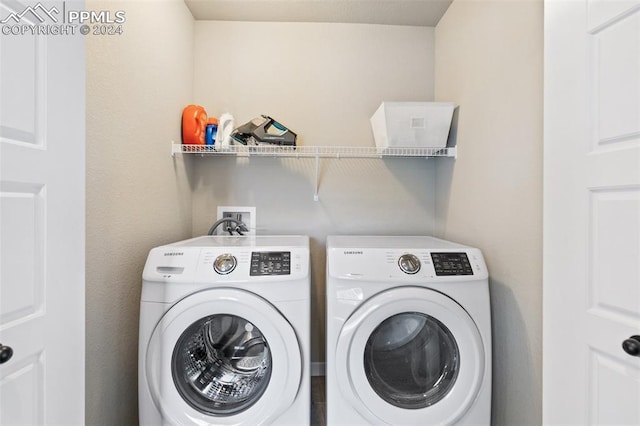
(409, 264)
(224, 264)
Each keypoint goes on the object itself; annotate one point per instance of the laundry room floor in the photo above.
(318, 401)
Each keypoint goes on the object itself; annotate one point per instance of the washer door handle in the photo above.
(5, 353)
(632, 346)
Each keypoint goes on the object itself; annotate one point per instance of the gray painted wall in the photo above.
(137, 195)
(489, 61)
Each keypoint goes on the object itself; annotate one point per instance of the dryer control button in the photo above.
(409, 264)
(224, 264)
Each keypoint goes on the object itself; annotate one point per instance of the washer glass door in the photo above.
(223, 356)
(221, 364)
(411, 360)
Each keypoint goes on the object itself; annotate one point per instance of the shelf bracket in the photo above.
(315, 195)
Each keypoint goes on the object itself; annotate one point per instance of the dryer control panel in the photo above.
(403, 260)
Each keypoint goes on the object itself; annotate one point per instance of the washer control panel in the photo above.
(270, 263)
(451, 263)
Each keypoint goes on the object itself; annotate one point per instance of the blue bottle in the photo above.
(210, 134)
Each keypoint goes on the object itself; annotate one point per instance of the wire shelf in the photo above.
(315, 152)
(311, 151)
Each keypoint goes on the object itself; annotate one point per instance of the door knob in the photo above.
(632, 345)
(5, 353)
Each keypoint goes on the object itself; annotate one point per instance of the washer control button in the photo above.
(409, 264)
(224, 264)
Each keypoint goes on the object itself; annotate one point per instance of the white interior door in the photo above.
(591, 212)
(41, 219)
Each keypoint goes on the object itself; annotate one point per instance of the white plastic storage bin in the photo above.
(412, 124)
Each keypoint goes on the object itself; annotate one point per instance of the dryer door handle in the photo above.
(632, 346)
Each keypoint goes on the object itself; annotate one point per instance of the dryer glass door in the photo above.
(408, 354)
(411, 360)
(221, 364)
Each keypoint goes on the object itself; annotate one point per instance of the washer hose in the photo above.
(238, 223)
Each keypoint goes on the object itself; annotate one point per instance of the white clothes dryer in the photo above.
(224, 332)
(408, 332)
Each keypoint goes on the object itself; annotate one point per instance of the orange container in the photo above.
(194, 123)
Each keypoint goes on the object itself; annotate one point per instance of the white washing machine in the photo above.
(224, 332)
(408, 332)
